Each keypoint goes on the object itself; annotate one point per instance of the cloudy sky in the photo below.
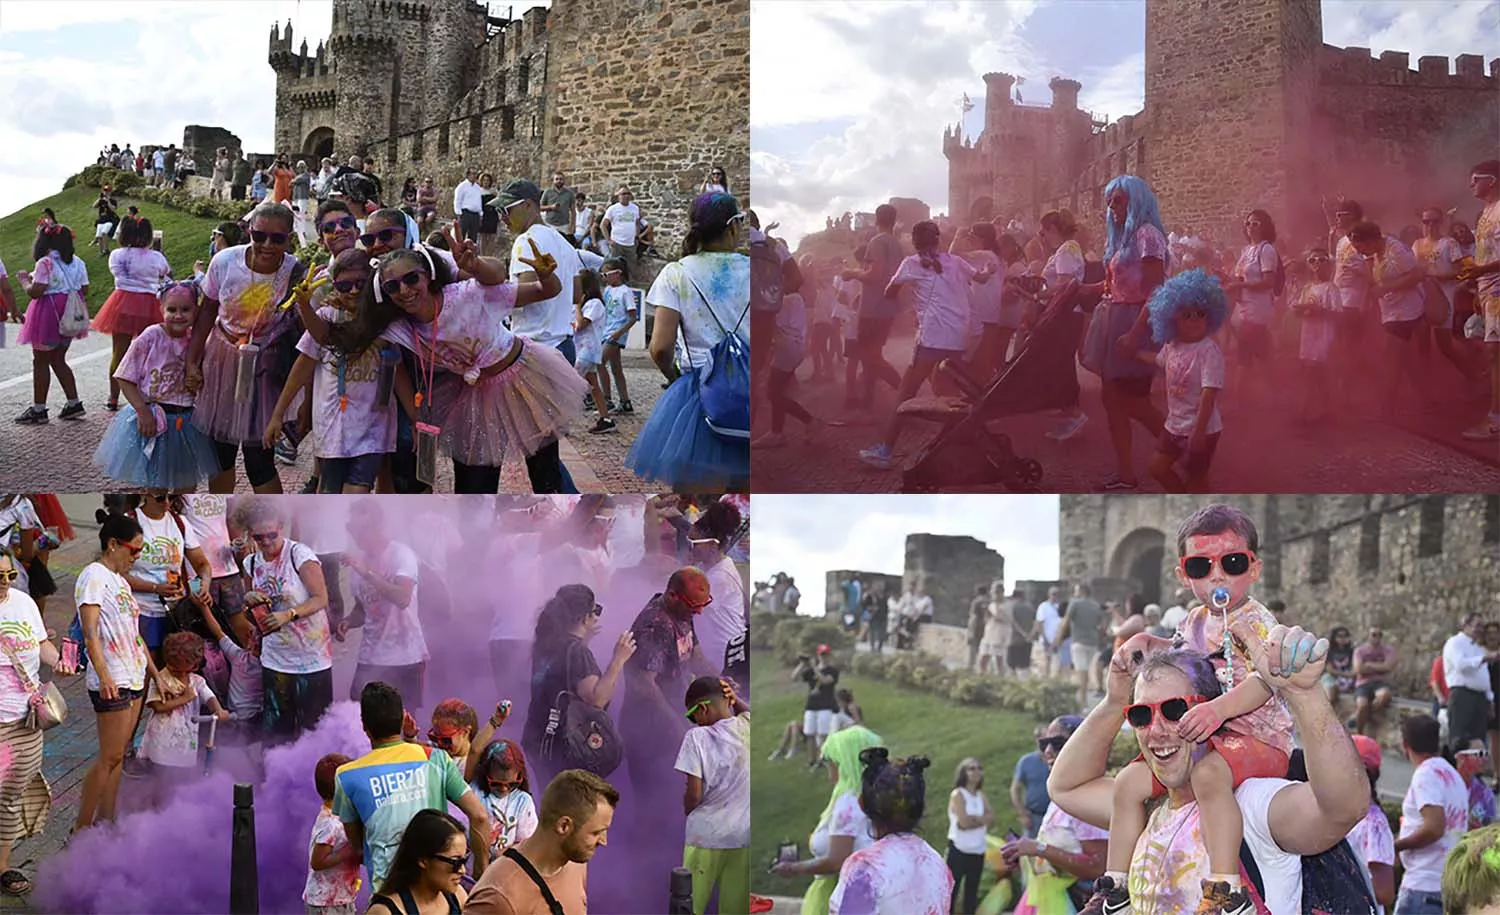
(849, 100)
(809, 535)
(81, 74)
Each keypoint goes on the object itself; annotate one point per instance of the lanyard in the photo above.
(428, 367)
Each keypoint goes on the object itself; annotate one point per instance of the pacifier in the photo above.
(1220, 598)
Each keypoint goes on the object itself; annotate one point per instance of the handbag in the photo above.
(580, 735)
(75, 316)
(46, 708)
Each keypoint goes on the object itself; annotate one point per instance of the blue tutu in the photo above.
(676, 446)
(183, 457)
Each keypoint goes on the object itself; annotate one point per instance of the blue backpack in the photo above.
(724, 383)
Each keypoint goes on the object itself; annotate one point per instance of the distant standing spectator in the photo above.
(557, 207)
(969, 817)
(715, 183)
(978, 612)
(1049, 629)
(1023, 625)
(583, 223)
(1085, 619)
(169, 162)
(489, 217)
(1028, 784)
(220, 174)
(622, 225)
(240, 175)
(468, 204)
(1374, 662)
(1469, 695)
(998, 626)
(1434, 815)
(258, 189)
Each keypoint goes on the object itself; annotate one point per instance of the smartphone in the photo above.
(259, 613)
(1010, 836)
(786, 853)
(196, 585)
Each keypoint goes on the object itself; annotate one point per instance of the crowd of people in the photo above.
(392, 343)
(1213, 318)
(203, 606)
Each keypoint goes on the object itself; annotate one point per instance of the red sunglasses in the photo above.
(1142, 714)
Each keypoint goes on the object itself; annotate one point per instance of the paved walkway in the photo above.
(57, 457)
(1382, 450)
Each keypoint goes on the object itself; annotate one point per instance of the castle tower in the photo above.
(1229, 95)
(449, 60)
(364, 49)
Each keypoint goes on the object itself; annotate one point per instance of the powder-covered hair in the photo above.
(843, 749)
(1202, 679)
(504, 754)
(183, 651)
(1194, 288)
(1216, 519)
(324, 773)
(191, 287)
(1141, 209)
(894, 792)
(924, 237)
(709, 219)
(459, 714)
(373, 315)
(1471, 875)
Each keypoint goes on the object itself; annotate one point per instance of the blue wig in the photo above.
(1140, 210)
(1196, 288)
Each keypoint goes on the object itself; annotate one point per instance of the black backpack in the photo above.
(1280, 286)
(1334, 882)
(765, 277)
(579, 735)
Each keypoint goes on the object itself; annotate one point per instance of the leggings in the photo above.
(967, 869)
(781, 400)
(545, 468)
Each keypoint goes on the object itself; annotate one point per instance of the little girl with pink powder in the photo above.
(152, 443)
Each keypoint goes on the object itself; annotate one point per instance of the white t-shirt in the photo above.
(582, 219)
(984, 298)
(899, 875)
(944, 319)
(332, 886)
(393, 635)
(1351, 275)
(246, 299)
(469, 332)
(1066, 263)
(588, 343)
(1047, 614)
(22, 630)
(1433, 783)
(847, 820)
(1395, 263)
(1256, 262)
(724, 278)
(138, 269)
(1372, 841)
(619, 305)
(303, 646)
(172, 739)
(353, 423)
(512, 817)
(162, 547)
(1173, 616)
(1322, 302)
(550, 321)
(1191, 367)
(206, 516)
(719, 754)
(724, 618)
(60, 277)
(1439, 257)
(622, 219)
(119, 633)
(791, 333)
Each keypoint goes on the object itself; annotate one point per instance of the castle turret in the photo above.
(364, 49)
(997, 89)
(1065, 93)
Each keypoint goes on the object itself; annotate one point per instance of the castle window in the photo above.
(1317, 568)
(1492, 519)
(416, 147)
(1369, 544)
(1430, 533)
(390, 153)
(1140, 158)
(476, 130)
(443, 137)
(507, 123)
(523, 77)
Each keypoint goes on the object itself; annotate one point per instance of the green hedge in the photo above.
(129, 184)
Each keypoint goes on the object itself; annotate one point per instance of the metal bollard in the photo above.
(244, 876)
(681, 901)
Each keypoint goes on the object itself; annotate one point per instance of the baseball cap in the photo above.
(1369, 751)
(824, 649)
(519, 189)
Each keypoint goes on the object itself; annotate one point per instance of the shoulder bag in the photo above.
(46, 707)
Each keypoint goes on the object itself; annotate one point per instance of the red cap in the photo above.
(1369, 751)
(824, 649)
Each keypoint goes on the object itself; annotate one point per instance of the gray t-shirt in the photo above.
(885, 256)
(1084, 616)
(562, 217)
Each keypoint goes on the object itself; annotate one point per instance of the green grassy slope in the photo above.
(788, 797)
(184, 240)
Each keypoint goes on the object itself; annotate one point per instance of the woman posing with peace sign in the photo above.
(504, 397)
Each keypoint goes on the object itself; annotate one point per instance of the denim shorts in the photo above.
(102, 705)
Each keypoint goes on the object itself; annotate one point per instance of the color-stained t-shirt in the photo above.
(469, 332)
(119, 633)
(719, 754)
(898, 875)
(1203, 632)
(392, 635)
(347, 414)
(388, 786)
(156, 363)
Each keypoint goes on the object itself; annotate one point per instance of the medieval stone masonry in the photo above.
(650, 93)
(1245, 107)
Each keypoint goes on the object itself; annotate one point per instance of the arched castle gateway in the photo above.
(1245, 106)
(648, 94)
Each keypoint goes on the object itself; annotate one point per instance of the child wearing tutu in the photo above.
(139, 271)
(1317, 304)
(152, 443)
(356, 425)
(587, 339)
(504, 398)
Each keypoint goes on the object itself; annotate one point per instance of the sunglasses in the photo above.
(274, 238)
(514, 203)
(391, 287)
(1142, 714)
(440, 740)
(1043, 744)
(497, 786)
(457, 863)
(384, 235)
(134, 550)
(13, 574)
(333, 225)
(1192, 313)
(695, 605)
(346, 286)
(1199, 567)
(1320, 259)
(597, 611)
(266, 538)
(693, 710)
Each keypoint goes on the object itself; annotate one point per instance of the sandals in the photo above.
(14, 883)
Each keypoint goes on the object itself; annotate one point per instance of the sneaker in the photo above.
(775, 755)
(310, 488)
(286, 450)
(1484, 432)
(1108, 899)
(877, 456)
(1069, 428)
(623, 408)
(1114, 482)
(72, 410)
(34, 416)
(769, 440)
(1218, 899)
(588, 403)
(603, 425)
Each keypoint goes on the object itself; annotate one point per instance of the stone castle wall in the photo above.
(950, 568)
(1413, 565)
(833, 591)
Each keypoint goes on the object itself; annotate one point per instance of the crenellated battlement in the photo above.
(1358, 66)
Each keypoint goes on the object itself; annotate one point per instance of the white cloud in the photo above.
(807, 536)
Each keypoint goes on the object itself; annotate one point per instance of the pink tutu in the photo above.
(217, 413)
(127, 313)
(510, 415)
(42, 317)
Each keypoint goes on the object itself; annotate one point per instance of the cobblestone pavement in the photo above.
(1261, 451)
(57, 457)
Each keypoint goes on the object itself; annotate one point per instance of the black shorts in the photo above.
(1367, 690)
(102, 705)
(407, 679)
(1402, 330)
(1131, 387)
(874, 332)
(1254, 341)
(1175, 446)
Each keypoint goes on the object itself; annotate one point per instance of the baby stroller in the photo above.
(1042, 376)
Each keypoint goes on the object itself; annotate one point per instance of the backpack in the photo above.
(1280, 285)
(1334, 882)
(724, 383)
(765, 276)
(580, 735)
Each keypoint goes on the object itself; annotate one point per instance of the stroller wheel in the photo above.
(1030, 470)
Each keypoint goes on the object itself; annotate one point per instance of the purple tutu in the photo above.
(508, 416)
(218, 414)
